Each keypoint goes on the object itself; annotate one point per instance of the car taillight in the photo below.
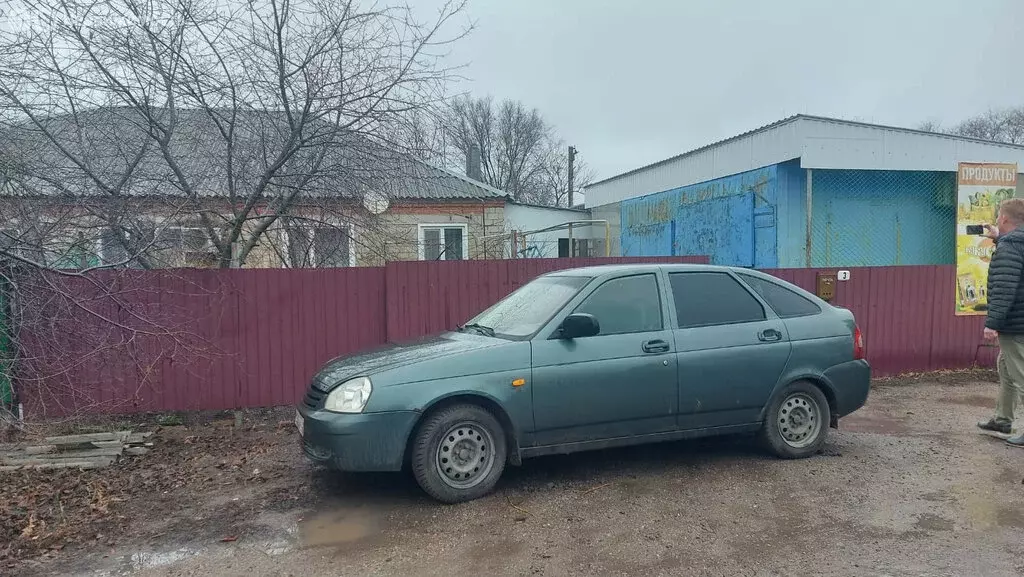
(858, 344)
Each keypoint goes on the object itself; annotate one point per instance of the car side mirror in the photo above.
(579, 325)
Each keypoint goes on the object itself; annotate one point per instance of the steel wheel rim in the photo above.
(799, 420)
(465, 455)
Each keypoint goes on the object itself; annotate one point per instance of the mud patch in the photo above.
(981, 401)
(929, 522)
(495, 554)
(875, 423)
(336, 528)
(1010, 517)
(980, 509)
(1008, 475)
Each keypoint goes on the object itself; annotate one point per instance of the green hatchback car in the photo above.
(592, 358)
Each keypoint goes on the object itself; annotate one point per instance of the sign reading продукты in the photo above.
(980, 187)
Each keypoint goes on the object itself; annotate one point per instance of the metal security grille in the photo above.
(881, 218)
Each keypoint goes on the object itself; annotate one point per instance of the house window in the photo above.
(443, 242)
(184, 246)
(584, 248)
(112, 250)
(319, 246)
(77, 253)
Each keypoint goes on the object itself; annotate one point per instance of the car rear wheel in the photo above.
(797, 421)
(459, 453)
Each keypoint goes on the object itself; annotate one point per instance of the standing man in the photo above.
(1005, 319)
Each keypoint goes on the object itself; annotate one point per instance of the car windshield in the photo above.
(524, 312)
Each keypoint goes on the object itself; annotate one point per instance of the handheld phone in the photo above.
(975, 229)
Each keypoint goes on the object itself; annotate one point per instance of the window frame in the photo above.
(52, 249)
(183, 228)
(312, 229)
(743, 278)
(179, 253)
(102, 247)
(421, 241)
(767, 310)
(574, 307)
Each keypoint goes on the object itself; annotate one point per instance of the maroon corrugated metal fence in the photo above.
(218, 339)
(906, 315)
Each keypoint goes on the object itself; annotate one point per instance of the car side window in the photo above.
(712, 298)
(786, 303)
(625, 305)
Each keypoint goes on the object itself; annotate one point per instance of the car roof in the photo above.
(618, 269)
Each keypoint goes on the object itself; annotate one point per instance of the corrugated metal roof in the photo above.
(695, 151)
(435, 182)
(113, 139)
(818, 142)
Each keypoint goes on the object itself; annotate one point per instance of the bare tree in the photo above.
(232, 114)
(998, 125)
(517, 146)
(231, 121)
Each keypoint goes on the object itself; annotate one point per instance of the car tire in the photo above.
(797, 421)
(459, 453)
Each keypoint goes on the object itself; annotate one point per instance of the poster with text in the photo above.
(980, 187)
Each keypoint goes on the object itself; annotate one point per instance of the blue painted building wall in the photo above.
(759, 219)
(733, 220)
(791, 202)
(882, 218)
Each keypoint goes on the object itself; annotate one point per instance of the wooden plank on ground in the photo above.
(54, 451)
(121, 436)
(54, 457)
(136, 438)
(27, 450)
(67, 464)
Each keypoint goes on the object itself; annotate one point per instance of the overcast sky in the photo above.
(631, 82)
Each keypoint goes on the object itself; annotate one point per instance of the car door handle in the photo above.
(769, 335)
(655, 346)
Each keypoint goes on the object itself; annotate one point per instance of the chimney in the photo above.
(473, 163)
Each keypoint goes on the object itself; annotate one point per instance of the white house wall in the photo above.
(545, 244)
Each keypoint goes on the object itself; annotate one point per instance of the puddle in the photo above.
(334, 528)
(873, 423)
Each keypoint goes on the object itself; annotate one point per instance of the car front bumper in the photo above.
(850, 382)
(356, 442)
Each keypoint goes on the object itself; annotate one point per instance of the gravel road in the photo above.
(905, 487)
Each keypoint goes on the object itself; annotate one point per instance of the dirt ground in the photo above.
(905, 487)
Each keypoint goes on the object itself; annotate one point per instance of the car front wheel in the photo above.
(797, 421)
(459, 453)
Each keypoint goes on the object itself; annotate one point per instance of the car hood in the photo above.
(429, 350)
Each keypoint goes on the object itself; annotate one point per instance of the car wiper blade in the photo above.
(479, 328)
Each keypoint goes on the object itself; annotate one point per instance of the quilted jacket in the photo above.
(1005, 289)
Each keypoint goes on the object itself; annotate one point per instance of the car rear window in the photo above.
(785, 303)
(712, 298)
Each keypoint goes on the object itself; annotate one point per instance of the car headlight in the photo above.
(350, 396)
